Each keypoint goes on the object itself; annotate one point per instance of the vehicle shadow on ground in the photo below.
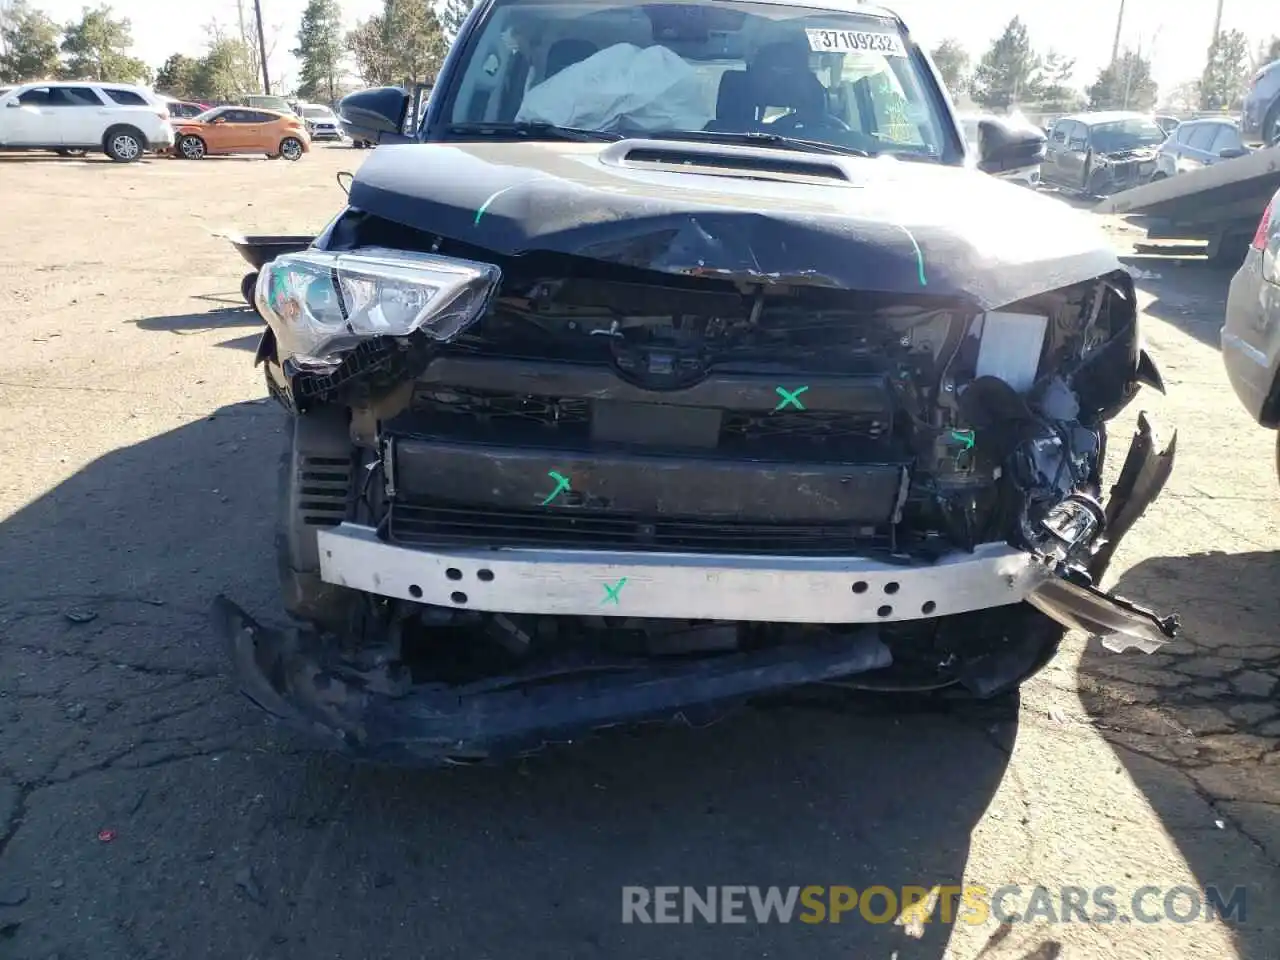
(97, 159)
(230, 158)
(1070, 197)
(1190, 292)
(229, 840)
(224, 318)
(1199, 722)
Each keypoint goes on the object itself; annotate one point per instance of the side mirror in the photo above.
(379, 113)
(1230, 153)
(1004, 146)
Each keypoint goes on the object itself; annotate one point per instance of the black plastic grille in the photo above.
(809, 425)
(323, 487)
(495, 408)
(440, 524)
(455, 408)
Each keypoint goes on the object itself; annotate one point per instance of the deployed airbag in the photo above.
(649, 88)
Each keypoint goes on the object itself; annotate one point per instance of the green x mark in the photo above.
(562, 484)
(789, 398)
(611, 593)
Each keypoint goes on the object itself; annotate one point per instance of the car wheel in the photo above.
(1159, 175)
(124, 144)
(249, 287)
(291, 148)
(191, 147)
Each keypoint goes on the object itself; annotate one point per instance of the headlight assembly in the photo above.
(320, 304)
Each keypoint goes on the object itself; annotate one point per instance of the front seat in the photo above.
(780, 77)
(735, 107)
(567, 52)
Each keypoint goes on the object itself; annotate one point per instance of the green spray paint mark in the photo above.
(919, 255)
(562, 484)
(611, 592)
(485, 206)
(789, 398)
(963, 436)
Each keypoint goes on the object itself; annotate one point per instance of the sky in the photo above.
(1175, 33)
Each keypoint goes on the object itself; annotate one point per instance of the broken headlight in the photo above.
(321, 304)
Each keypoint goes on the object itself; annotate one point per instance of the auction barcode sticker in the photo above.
(856, 41)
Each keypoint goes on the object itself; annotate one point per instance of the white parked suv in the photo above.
(121, 120)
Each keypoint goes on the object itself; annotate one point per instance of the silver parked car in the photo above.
(1251, 334)
(1260, 114)
(1102, 153)
(1199, 143)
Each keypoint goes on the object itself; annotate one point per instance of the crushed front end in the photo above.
(530, 496)
(1118, 170)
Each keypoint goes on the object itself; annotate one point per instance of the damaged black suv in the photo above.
(686, 354)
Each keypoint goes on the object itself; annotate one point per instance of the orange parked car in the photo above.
(224, 130)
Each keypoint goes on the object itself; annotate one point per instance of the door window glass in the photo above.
(1227, 139)
(1202, 137)
(35, 97)
(126, 98)
(73, 97)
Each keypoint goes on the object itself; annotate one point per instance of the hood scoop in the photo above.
(723, 160)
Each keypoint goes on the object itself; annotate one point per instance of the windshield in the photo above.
(207, 115)
(1126, 134)
(317, 113)
(704, 66)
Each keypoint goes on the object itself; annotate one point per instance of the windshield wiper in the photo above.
(755, 138)
(532, 130)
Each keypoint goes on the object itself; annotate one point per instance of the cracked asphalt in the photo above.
(147, 811)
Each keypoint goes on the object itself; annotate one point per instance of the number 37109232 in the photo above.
(855, 41)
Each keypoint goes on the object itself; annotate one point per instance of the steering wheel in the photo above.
(808, 122)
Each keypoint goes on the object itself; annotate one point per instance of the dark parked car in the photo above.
(1199, 143)
(1101, 153)
(1251, 334)
(1260, 113)
(686, 358)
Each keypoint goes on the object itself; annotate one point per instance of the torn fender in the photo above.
(1119, 623)
(1146, 470)
(1069, 596)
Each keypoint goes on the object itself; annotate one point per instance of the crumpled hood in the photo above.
(731, 212)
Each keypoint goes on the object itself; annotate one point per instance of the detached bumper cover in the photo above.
(290, 674)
